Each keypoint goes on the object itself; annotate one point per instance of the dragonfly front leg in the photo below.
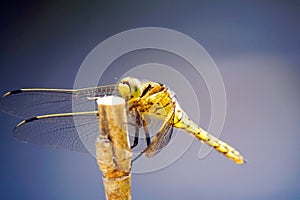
(136, 137)
(148, 140)
(146, 130)
(137, 129)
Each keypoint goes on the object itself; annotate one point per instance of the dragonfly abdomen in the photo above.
(182, 121)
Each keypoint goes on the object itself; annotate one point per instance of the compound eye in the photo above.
(124, 90)
(129, 87)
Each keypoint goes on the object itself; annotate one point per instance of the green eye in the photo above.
(130, 87)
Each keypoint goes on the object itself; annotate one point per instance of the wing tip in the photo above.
(12, 92)
(26, 121)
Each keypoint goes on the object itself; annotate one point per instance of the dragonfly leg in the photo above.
(137, 129)
(146, 130)
(136, 138)
(147, 139)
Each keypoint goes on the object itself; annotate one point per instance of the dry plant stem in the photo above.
(113, 148)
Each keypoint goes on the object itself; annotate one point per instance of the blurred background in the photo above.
(256, 47)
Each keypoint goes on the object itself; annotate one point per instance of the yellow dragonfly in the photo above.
(152, 111)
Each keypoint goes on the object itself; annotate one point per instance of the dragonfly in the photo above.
(152, 111)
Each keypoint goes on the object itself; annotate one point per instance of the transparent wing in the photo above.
(162, 137)
(26, 103)
(59, 131)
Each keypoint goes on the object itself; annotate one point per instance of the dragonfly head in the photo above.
(130, 87)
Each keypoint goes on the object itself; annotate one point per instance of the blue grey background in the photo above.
(256, 46)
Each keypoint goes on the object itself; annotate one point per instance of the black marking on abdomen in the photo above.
(178, 120)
